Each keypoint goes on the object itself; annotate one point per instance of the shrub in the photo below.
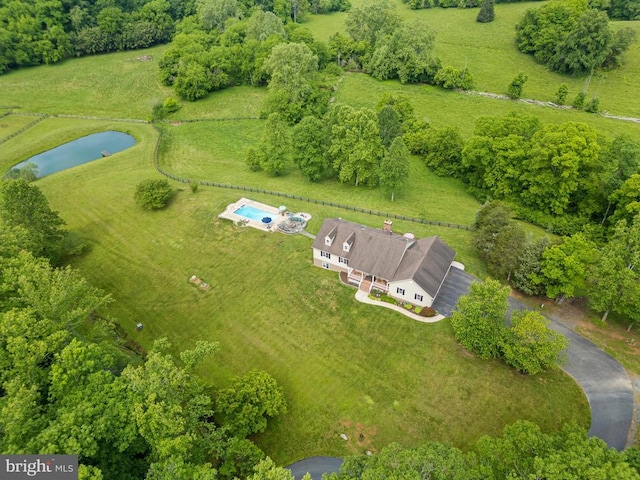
(157, 112)
(593, 106)
(153, 194)
(561, 94)
(486, 13)
(578, 102)
(171, 105)
(516, 86)
(194, 187)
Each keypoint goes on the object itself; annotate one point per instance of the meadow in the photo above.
(345, 367)
(489, 51)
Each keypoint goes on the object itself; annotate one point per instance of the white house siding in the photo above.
(411, 288)
(334, 264)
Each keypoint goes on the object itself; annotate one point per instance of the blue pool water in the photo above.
(253, 213)
(77, 152)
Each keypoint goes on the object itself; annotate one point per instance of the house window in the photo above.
(325, 254)
(343, 260)
(345, 246)
(328, 241)
(418, 297)
(325, 265)
(400, 290)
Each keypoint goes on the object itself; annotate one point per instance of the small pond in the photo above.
(77, 152)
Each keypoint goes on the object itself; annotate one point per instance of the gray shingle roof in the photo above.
(388, 255)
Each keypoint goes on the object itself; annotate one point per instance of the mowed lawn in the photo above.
(345, 367)
(490, 52)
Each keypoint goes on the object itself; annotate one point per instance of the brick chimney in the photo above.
(386, 226)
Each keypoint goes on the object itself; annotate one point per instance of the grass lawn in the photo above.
(442, 107)
(490, 52)
(215, 151)
(345, 367)
(12, 123)
(111, 85)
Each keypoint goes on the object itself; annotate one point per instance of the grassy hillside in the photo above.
(490, 52)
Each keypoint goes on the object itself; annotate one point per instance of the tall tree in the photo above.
(444, 151)
(170, 410)
(394, 167)
(504, 257)
(390, 125)
(310, 140)
(249, 401)
(586, 46)
(24, 205)
(559, 155)
(274, 151)
(479, 318)
(530, 345)
(564, 267)
(291, 68)
(371, 21)
(530, 263)
(214, 13)
(614, 283)
(490, 219)
(356, 148)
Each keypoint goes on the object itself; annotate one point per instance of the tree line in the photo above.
(558, 176)
(47, 31)
(66, 385)
(615, 9)
(602, 267)
(358, 146)
(523, 451)
(216, 51)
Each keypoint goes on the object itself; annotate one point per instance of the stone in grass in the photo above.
(344, 436)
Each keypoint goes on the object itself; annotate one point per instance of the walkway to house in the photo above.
(363, 296)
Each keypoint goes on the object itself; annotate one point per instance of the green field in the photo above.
(490, 52)
(345, 367)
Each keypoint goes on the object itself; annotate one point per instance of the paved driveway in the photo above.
(316, 466)
(454, 286)
(604, 381)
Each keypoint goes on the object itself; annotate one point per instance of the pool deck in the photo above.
(229, 214)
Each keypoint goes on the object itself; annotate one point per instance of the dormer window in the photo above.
(346, 246)
(328, 240)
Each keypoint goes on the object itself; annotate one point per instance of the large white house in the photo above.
(402, 266)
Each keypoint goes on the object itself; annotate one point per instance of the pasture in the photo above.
(345, 367)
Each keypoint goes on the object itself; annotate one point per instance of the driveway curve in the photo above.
(605, 383)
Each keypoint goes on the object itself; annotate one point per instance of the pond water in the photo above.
(79, 151)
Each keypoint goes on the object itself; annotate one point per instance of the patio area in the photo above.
(249, 213)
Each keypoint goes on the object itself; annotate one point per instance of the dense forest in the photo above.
(72, 382)
(33, 32)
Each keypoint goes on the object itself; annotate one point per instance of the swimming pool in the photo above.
(253, 213)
